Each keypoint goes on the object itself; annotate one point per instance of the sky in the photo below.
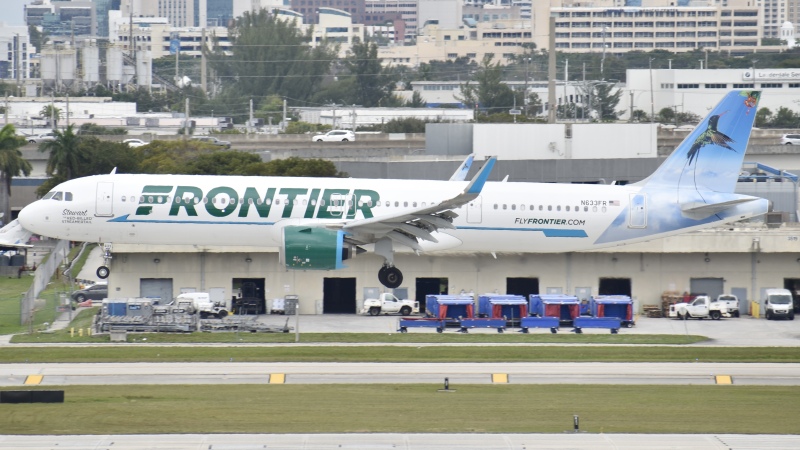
(11, 11)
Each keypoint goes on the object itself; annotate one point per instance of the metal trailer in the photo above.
(619, 306)
(452, 307)
(564, 307)
(611, 323)
(499, 324)
(539, 322)
(497, 306)
(419, 322)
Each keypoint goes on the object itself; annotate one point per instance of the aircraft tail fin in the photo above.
(461, 173)
(711, 157)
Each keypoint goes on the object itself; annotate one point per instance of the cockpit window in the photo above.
(57, 196)
(48, 195)
(68, 196)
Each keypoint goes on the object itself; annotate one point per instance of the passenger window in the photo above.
(594, 208)
(513, 207)
(604, 209)
(259, 201)
(585, 209)
(149, 199)
(396, 204)
(249, 201)
(541, 207)
(414, 204)
(123, 198)
(313, 202)
(177, 199)
(269, 201)
(141, 199)
(424, 204)
(558, 208)
(321, 202)
(549, 207)
(505, 206)
(388, 203)
(68, 196)
(567, 208)
(495, 206)
(405, 204)
(522, 207)
(277, 201)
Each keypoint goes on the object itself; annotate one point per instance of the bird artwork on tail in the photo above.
(711, 136)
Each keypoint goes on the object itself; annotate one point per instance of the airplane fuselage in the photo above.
(251, 211)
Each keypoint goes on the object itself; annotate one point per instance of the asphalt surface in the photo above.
(62, 374)
(568, 440)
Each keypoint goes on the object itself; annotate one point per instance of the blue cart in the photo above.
(466, 324)
(539, 322)
(496, 306)
(405, 324)
(619, 306)
(611, 323)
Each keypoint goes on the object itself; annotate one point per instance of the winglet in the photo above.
(461, 173)
(476, 185)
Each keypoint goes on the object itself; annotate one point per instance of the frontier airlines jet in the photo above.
(319, 223)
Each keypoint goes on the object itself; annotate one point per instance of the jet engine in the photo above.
(311, 248)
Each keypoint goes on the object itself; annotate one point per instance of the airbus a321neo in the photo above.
(318, 223)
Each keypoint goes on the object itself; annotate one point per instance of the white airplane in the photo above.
(318, 223)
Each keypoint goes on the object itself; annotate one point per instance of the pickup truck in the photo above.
(699, 308)
(389, 304)
(731, 302)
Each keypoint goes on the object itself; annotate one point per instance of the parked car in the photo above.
(213, 141)
(133, 143)
(790, 139)
(335, 136)
(41, 138)
(93, 292)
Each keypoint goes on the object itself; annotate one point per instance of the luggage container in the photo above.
(453, 307)
(619, 306)
(114, 307)
(565, 307)
(496, 306)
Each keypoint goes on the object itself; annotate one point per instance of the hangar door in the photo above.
(156, 288)
(430, 286)
(522, 286)
(709, 286)
(339, 296)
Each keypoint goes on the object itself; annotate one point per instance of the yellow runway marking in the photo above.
(499, 378)
(277, 378)
(724, 379)
(34, 379)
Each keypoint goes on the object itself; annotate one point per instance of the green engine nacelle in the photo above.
(310, 248)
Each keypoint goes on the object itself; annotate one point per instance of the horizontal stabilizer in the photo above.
(699, 211)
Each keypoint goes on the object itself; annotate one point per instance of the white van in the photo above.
(778, 304)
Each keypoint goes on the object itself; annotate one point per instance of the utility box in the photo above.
(290, 304)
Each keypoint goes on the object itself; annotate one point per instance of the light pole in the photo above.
(603, 58)
(652, 103)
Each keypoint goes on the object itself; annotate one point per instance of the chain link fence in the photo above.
(41, 278)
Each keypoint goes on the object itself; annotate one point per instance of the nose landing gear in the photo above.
(103, 271)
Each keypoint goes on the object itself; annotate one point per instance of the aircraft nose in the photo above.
(27, 217)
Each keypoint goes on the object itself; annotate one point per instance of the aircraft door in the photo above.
(105, 195)
(475, 211)
(638, 211)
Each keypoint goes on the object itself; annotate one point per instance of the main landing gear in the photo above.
(103, 271)
(390, 276)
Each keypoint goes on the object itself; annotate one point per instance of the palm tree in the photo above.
(11, 165)
(65, 155)
(51, 111)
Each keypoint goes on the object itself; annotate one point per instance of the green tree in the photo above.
(11, 165)
(270, 55)
(51, 112)
(640, 116)
(93, 129)
(666, 115)
(222, 163)
(785, 118)
(605, 101)
(65, 158)
(416, 101)
(36, 37)
(296, 167)
(763, 118)
(486, 89)
(374, 83)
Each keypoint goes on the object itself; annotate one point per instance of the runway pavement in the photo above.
(767, 374)
(442, 441)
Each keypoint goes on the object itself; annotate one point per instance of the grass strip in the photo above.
(474, 354)
(414, 408)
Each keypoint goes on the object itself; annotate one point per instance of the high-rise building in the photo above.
(219, 12)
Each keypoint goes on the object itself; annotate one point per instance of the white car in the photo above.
(790, 139)
(335, 136)
(133, 143)
(41, 138)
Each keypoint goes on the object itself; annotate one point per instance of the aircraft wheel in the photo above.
(382, 275)
(102, 272)
(393, 277)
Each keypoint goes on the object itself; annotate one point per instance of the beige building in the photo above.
(179, 13)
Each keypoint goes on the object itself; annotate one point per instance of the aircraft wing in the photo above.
(13, 235)
(409, 226)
